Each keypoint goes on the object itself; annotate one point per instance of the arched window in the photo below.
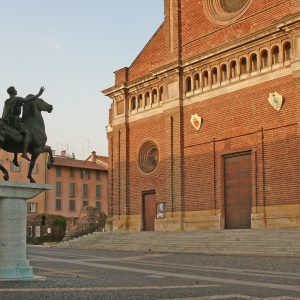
(253, 64)
(224, 72)
(196, 81)
(275, 55)
(264, 59)
(140, 101)
(243, 66)
(205, 78)
(147, 98)
(214, 75)
(161, 93)
(233, 71)
(133, 103)
(287, 51)
(154, 96)
(188, 84)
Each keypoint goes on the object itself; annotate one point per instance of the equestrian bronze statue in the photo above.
(24, 134)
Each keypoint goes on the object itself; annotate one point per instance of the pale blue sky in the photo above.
(72, 47)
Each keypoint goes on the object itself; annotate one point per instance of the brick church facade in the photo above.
(204, 124)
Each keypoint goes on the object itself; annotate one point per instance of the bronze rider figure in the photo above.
(11, 115)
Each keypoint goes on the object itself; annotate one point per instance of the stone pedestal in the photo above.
(13, 216)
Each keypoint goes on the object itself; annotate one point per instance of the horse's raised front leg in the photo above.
(34, 157)
(51, 158)
(5, 172)
(15, 160)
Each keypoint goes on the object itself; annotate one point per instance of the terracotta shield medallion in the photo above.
(196, 121)
(276, 100)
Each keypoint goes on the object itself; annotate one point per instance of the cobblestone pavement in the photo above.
(96, 274)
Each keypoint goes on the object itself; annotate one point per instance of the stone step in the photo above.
(197, 242)
(206, 244)
(203, 248)
(210, 251)
(281, 242)
(221, 233)
(199, 236)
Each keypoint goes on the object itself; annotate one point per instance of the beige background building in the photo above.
(76, 183)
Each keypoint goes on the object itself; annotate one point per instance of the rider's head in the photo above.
(12, 91)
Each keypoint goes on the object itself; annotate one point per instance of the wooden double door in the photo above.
(238, 191)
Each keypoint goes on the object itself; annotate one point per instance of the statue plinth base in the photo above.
(13, 217)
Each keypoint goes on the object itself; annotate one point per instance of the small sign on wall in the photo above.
(160, 210)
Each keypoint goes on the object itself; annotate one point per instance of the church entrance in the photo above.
(149, 210)
(238, 191)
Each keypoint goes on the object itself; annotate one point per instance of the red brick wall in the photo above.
(296, 6)
(141, 131)
(160, 50)
(152, 56)
(118, 152)
(200, 35)
(121, 76)
(235, 121)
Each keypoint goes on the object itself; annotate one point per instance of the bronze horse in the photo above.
(11, 139)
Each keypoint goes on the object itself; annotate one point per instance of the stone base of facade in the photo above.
(117, 223)
(270, 217)
(203, 220)
(276, 216)
(172, 222)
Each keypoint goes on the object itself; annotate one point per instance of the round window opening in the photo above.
(225, 11)
(148, 157)
(232, 6)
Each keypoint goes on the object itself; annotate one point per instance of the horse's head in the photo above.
(41, 104)
(44, 106)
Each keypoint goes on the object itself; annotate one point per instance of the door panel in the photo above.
(238, 191)
(149, 212)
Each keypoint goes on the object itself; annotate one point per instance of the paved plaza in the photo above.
(96, 274)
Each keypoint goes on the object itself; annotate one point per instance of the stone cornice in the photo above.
(198, 96)
(161, 73)
(114, 89)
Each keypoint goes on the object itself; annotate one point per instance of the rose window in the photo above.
(225, 12)
(148, 157)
